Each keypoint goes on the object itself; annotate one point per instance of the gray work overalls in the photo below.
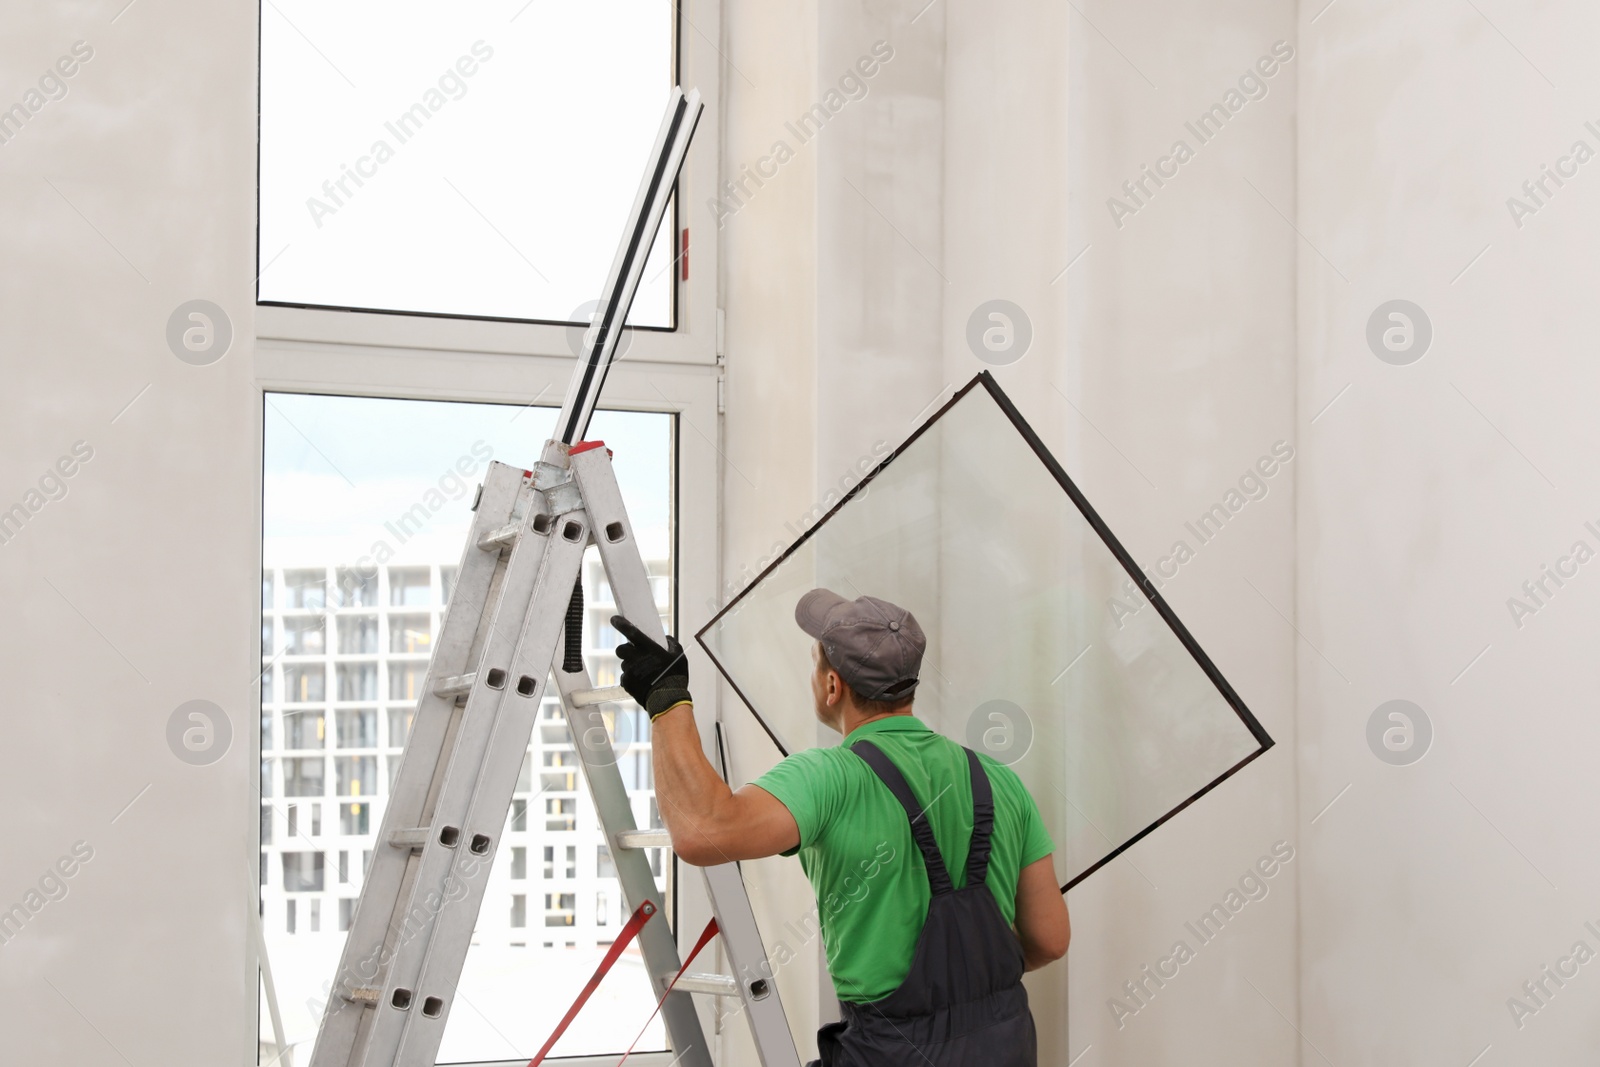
(962, 1004)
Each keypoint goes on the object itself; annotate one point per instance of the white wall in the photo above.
(1430, 493)
(133, 194)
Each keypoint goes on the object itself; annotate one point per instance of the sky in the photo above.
(338, 468)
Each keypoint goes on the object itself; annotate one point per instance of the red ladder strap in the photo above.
(705, 937)
(630, 930)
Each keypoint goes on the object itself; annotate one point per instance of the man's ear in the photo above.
(835, 688)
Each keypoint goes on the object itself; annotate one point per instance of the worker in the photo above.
(933, 872)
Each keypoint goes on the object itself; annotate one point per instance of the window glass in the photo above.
(358, 635)
(410, 634)
(302, 872)
(399, 726)
(303, 777)
(357, 775)
(358, 681)
(1042, 649)
(306, 589)
(358, 587)
(402, 456)
(405, 681)
(409, 586)
(358, 727)
(304, 729)
(355, 820)
(304, 683)
(388, 177)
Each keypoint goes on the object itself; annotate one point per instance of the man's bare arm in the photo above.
(1042, 923)
(710, 823)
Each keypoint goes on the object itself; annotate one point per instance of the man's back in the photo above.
(856, 845)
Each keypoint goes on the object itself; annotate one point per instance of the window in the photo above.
(306, 589)
(321, 748)
(303, 777)
(304, 683)
(409, 587)
(400, 726)
(410, 633)
(302, 872)
(357, 775)
(562, 781)
(303, 729)
(357, 681)
(358, 588)
(355, 820)
(519, 910)
(358, 728)
(561, 814)
(396, 188)
(405, 680)
(558, 908)
(1166, 725)
(303, 636)
(358, 635)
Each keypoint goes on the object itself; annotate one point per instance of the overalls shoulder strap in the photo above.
(982, 822)
(921, 828)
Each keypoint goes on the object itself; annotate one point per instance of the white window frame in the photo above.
(688, 391)
(434, 357)
(693, 341)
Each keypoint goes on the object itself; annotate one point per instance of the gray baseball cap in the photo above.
(875, 646)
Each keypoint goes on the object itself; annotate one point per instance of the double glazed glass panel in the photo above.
(1042, 651)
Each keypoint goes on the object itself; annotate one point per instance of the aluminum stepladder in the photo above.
(513, 604)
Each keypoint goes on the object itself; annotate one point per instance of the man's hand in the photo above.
(657, 678)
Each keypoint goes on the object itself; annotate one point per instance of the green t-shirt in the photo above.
(857, 850)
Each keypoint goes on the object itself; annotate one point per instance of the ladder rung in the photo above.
(370, 995)
(586, 698)
(495, 540)
(718, 985)
(455, 685)
(415, 837)
(644, 839)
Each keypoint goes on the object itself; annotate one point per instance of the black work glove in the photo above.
(657, 678)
